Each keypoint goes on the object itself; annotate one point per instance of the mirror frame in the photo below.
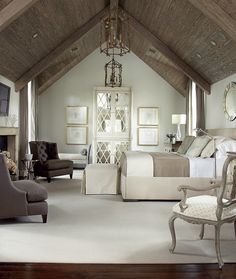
(227, 90)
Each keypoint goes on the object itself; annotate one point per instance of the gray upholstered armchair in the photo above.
(20, 198)
(49, 164)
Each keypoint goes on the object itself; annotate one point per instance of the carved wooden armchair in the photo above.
(207, 209)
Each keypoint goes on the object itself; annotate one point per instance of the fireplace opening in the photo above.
(3, 143)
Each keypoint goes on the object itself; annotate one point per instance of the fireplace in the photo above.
(3, 143)
(9, 141)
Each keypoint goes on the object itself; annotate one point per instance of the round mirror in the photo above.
(230, 101)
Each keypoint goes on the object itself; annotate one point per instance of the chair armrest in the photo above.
(214, 184)
(188, 187)
(229, 203)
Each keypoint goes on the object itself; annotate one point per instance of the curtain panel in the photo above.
(200, 103)
(23, 131)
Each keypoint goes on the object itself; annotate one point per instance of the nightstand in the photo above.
(176, 145)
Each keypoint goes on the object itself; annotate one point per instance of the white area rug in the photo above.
(104, 229)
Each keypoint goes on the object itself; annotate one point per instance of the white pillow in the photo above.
(228, 145)
(197, 146)
(210, 148)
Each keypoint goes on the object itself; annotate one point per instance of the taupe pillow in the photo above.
(188, 140)
(197, 146)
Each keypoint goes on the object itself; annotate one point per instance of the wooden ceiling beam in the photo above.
(61, 72)
(114, 5)
(47, 60)
(57, 76)
(213, 11)
(180, 89)
(168, 53)
(13, 10)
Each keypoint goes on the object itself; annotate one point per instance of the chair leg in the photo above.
(201, 235)
(49, 179)
(71, 175)
(172, 231)
(217, 246)
(45, 217)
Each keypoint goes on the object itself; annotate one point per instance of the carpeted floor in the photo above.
(104, 229)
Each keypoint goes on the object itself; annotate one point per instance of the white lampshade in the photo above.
(178, 119)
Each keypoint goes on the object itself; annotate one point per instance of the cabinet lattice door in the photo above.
(112, 124)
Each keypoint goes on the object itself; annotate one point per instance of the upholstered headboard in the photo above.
(226, 132)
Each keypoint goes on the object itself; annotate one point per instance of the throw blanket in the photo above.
(170, 165)
(137, 163)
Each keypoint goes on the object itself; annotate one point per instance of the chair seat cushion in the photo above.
(34, 191)
(204, 207)
(56, 164)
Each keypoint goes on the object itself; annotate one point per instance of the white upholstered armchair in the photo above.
(207, 209)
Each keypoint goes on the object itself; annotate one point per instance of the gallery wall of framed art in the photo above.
(77, 125)
(148, 126)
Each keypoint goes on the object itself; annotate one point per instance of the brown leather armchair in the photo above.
(20, 198)
(49, 164)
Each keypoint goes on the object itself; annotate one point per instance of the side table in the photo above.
(176, 145)
(29, 167)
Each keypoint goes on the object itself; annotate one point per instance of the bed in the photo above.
(142, 180)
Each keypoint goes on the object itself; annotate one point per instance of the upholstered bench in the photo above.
(100, 179)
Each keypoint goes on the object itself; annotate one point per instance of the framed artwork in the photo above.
(77, 115)
(148, 136)
(148, 116)
(76, 135)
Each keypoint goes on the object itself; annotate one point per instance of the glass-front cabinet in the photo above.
(112, 124)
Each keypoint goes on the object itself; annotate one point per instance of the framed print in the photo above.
(148, 116)
(148, 136)
(76, 135)
(77, 115)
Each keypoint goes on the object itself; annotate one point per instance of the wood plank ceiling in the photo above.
(52, 36)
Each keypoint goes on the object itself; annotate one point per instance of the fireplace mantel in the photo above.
(9, 131)
(12, 134)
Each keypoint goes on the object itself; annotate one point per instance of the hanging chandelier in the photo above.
(115, 31)
(113, 71)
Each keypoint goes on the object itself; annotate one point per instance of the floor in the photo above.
(102, 229)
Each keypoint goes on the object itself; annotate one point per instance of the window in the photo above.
(193, 109)
(29, 111)
(196, 110)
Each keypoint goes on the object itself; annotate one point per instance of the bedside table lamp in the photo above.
(178, 119)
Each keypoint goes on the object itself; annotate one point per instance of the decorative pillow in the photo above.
(197, 146)
(228, 145)
(188, 140)
(52, 150)
(209, 149)
(42, 151)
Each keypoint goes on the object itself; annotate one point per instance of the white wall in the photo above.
(76, 88)
(214, 105)
(14, 103)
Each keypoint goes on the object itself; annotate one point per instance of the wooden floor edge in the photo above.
(115, 271)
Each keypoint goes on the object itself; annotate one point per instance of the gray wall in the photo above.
(77, 87)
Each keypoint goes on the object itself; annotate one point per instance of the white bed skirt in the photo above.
(158, 188)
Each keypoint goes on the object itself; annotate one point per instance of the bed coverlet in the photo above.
(170, 165)
(155, 164)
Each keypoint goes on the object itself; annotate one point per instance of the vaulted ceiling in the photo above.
(179, 39)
